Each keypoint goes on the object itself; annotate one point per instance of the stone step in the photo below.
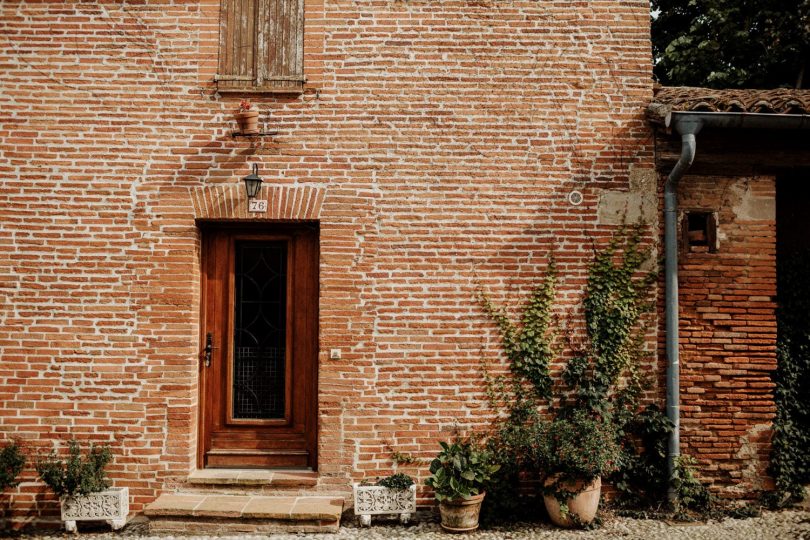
(253, 477)
(266, 482)
(241, 514)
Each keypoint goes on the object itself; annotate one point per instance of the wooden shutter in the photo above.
(237, 44)
(261, 45)
(283, 65)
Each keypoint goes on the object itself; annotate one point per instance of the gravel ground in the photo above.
(791, 524)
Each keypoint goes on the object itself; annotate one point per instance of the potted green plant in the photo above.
(247, 117)
(395, 494)
(459, 474)
(83, 487)
(574, 451)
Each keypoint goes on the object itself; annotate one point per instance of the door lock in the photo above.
(209, 348)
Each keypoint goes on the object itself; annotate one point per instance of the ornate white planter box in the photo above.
(376, 500)
(111, 505)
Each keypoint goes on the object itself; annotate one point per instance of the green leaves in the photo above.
(790, 460)
(577, 446)
(597, 399)
(731, 44)
(78, 475)
(530, 345)
(642, 475)
(617, 297)
(460, 470)
(12, 462)
(399, 481)
(691, 494)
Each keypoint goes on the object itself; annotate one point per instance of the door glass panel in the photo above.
(260, 330)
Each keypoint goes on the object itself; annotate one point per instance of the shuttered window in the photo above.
(261, 46)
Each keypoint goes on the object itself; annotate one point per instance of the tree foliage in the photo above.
(732, 43)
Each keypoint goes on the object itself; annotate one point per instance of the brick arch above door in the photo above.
(229, 201)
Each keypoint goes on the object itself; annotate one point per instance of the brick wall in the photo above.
(443, 136)
(728, 333)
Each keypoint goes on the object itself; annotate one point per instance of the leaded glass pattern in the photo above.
(260, 329)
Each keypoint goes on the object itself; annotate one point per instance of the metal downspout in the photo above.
(688, 130)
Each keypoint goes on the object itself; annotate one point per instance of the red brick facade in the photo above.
(728, 332)
(436, 144)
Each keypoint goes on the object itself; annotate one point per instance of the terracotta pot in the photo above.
(461, 515)
(583, 505)
(248, 122)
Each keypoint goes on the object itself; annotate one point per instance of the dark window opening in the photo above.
(700, 231)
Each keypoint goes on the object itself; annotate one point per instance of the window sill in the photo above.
(293, 89)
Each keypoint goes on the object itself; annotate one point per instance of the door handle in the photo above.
(209, 348)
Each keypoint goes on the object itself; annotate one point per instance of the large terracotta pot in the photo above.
(461, 515)
(248, 122)
(583, 505)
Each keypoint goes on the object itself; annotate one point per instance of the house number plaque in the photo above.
(256, 205)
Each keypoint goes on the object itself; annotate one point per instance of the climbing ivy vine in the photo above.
(790, 460)
(602, 375)
(529, 346)
(617, 297)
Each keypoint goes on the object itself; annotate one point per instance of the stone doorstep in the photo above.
(194, 505)
(219, 527)
(253, 477)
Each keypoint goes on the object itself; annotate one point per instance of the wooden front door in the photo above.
(258, 366)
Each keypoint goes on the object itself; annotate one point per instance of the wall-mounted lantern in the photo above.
(253, 182)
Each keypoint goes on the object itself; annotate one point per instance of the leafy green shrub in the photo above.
(78, 475)
(575, 447)
(461, 470)
(508, 495)
(12, 462)
(691, 494)
(641, 478)
(398, 481)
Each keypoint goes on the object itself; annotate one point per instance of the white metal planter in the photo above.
(376, 500)
(111, 505)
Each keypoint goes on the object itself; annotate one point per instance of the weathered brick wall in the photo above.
(728, 333)
(444, 137)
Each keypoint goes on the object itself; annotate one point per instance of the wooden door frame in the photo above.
(260, 230)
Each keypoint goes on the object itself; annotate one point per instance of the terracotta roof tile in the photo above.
(778, 101)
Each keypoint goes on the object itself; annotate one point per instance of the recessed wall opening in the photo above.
(699, 231)
(793, 299)
(793, 250)
(792, 215)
